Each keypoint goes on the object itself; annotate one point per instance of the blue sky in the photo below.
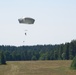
(55, 22)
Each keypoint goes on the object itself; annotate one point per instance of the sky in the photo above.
(55, 22)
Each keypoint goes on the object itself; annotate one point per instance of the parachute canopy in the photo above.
(26, 20)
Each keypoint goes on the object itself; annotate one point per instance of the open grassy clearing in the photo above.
(55, 67)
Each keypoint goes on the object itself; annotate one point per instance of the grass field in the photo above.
(55, 67)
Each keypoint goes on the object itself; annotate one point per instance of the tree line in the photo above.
(62, 51)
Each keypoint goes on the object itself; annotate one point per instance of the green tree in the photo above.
(73, 64)
(60, 51)
(2, 58)
(33, 58)
(71, 51)
(65, 54)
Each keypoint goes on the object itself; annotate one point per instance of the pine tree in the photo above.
(2, 58)
(73, 64)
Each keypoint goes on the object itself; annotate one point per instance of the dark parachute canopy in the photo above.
(26, 20)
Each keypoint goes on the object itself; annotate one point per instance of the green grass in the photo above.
(55, 67)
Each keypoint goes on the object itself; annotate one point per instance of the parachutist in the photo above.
(26, 20)
(25, 34)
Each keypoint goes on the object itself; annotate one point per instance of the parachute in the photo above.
(26, 20)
